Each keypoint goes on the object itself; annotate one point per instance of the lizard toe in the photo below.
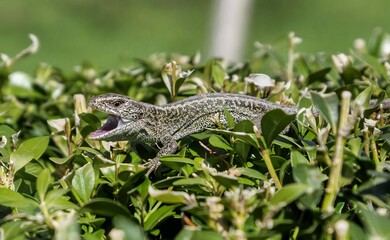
(153, 164)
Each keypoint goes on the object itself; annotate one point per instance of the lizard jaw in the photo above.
(111, 124)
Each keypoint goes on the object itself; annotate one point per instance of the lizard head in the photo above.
(121, 110)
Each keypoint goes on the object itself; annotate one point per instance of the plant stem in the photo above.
(375, 153)
(333, 185)
(270, 167)
(290, 62)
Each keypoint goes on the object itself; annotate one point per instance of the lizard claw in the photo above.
(153, 165)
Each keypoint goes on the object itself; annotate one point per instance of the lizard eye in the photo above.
(117, 103)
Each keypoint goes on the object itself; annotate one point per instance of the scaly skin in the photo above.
(166, 124)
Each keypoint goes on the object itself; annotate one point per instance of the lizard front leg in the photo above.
(169, 146)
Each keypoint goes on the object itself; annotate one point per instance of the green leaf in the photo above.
(36, 146)
(240, 146)
(225, 180)
(191, 181)
(105, 207)
(319, 76)
(363, 99)
(214, 72)
(158, 216)
(176, 162)
(61, 203)
(90, 119)
(21, 158)
(97, 235)
(30, 149)
(386, 137)
(327, 104)
(43, 182)
(197, 234)
(57, 199)
(14, 199)
(298, 158)
(377, 226)
(287, 194)
(356, 232)
(273, 123)
(83, 182)
(14, 230)
(178, 83)
(61, 160)
(372, 108)
(134, 181)
(130, 228)
(249, 138)
(229, 118)
(252, 173)
(309, 175)
(168, 196)
(6, 130)
(374, 63)
(350, 74)
(220, 142)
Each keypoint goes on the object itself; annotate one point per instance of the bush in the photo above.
(325, 177)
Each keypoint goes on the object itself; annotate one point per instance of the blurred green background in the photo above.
(110, 34)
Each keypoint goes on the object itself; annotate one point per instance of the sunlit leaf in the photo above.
(158, 216)
(83, 182)
(14, 199)
(191, 181)
(225, 179)
(6, 130)
(377, 226)
(288, 194)
(105, 207)
(197, 234)
(248, 172)
(167, 196)
(21, 158)
(273, 123)
(176, 162)
(30, 149)
(363, 99)
(129, 227)
(327, 104)
(43, 182)
(229, 118)
(220, 142)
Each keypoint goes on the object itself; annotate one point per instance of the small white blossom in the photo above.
(360, 45)
(341, 228)
(341, 61)
(370, 123)
(294, 39)
(185, 74)
(385, 47)
(260, 80)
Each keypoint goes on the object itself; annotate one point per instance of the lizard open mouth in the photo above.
(111, 123)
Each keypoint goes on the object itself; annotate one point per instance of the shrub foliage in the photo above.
(325, 176)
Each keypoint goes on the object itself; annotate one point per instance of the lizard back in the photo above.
(196, 113)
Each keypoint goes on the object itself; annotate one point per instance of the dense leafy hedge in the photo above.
(325, 177)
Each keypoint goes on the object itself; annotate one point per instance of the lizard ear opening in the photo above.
(111, 123)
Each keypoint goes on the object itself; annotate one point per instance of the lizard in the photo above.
(136, 121)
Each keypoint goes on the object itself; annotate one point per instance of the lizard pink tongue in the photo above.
(110, 124)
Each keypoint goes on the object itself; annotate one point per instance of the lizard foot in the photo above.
(153, 165)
